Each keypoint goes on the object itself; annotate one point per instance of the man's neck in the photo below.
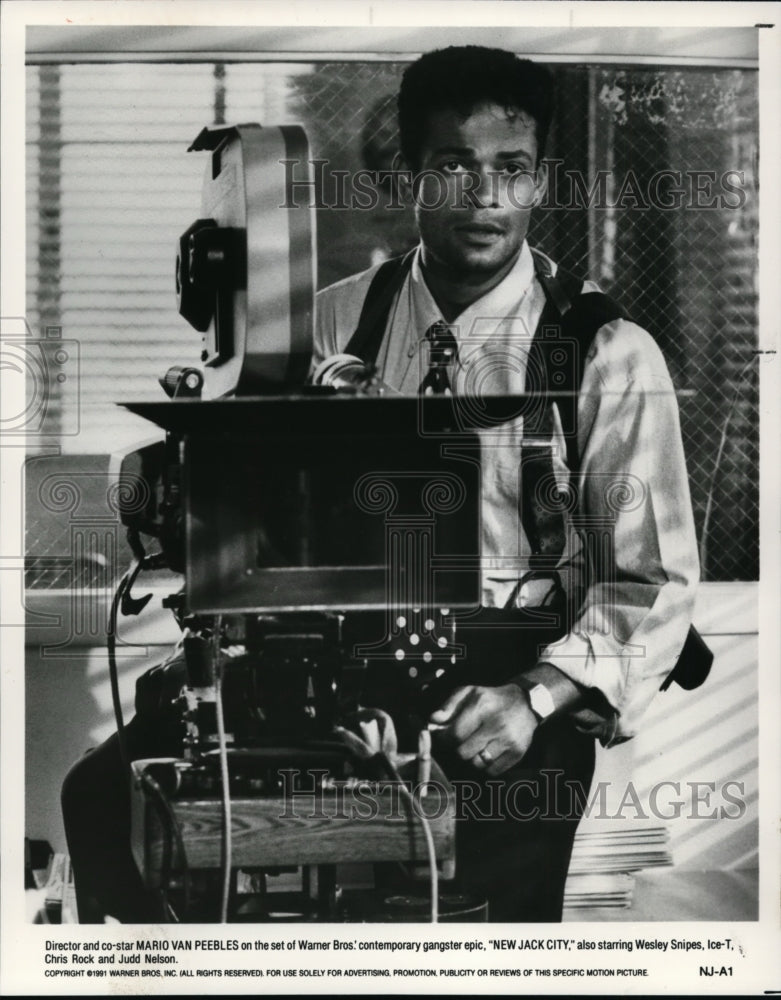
(455, 291)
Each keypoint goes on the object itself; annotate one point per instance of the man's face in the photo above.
(476, 187)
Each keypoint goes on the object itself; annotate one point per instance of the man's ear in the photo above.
(540, 184)
(403, 174)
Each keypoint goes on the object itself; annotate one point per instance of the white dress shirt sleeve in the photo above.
(337, 311)
(639, 598)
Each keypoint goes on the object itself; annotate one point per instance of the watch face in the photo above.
(541, 701)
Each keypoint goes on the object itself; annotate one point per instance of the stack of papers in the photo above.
(599, 890)
(605, 854)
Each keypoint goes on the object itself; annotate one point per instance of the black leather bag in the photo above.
(693, 664)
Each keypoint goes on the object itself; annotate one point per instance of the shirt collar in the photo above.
(502, 301)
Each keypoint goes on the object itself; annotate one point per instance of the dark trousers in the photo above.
(96, 813)
(514, 833)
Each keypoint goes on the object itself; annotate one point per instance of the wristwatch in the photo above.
(541, 701)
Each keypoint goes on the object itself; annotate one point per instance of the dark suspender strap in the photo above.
(589, 313)
(560, 289)
(542, 523)
(564, 335)
(386, 283)
(557, 356)
(548, 346)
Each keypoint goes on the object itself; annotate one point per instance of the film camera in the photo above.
(327, 534)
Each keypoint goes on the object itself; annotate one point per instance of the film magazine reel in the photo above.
(256, 221)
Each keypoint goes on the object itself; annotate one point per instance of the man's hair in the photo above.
(460, 78)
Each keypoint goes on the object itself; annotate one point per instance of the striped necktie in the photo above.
(443, 352)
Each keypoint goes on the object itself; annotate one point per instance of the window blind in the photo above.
(110, 188)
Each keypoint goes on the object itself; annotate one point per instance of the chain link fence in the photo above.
(652, 194)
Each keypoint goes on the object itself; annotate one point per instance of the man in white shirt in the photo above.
(473, 124)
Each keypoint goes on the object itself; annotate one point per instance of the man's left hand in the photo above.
(490, 726)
